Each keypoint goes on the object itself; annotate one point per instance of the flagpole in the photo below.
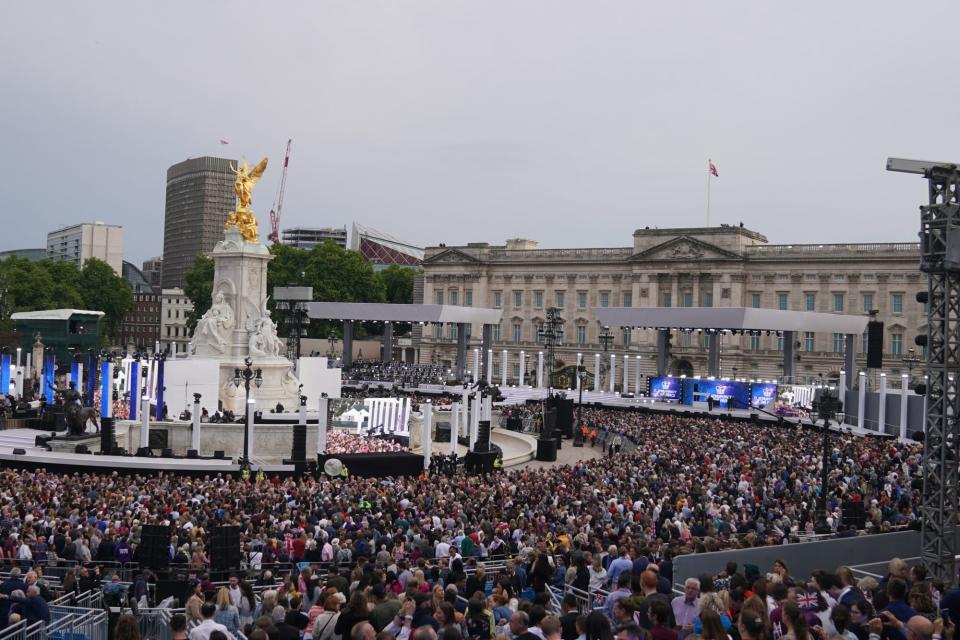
(708, 190)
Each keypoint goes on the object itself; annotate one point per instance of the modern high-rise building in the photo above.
(152, 271)
(199, 196)
(79, 242)
(309, 237)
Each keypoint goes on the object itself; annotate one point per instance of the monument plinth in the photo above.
(238, 323)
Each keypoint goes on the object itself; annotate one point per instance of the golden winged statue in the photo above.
(243, 218)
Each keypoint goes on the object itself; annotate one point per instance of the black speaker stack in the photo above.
(874, 345)
(108, 436)
(854, 515)
(299, 451)
(546, 450)
(154, 546)
(224, 548)
(482, 444)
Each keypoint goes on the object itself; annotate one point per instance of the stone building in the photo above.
(723, 266)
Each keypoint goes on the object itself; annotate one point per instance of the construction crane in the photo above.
(278, 201)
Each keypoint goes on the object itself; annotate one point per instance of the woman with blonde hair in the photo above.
(227, 613)
(712, 601)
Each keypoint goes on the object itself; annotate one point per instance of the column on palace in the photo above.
(861, 399)
(454, 421)
(904, 391)
(504, 359)
(427, 408)
(251, 409)
(195, 433)
(596, 372)
(882, 406)
(144, 422)
(613, 372)
(636, 382)
(626, 373)
(523, 363)
(540, 370)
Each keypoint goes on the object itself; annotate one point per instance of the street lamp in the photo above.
(582, 379)
(911, 359)
(332, 344)
(244, 376)
(606, 338)
(825, 407)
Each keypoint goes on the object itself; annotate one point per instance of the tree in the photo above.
(103, 290)
(338, 275)
(398, 285)
(199, 288)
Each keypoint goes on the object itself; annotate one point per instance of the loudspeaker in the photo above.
(193, 453)
(144, 452)
(19, 452)
(224, 548)
(515, 424)
(108, 438)
(155, 547)
(176, 588)
(443, 432)
(81, 448)
(854, 515)
(549, 420)
(299, 449)
(218, 454)
(546, 450)
(483, 437)
(874, 345)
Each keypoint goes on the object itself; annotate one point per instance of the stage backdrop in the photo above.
(184, 377)
(665, 388)
(730, 395)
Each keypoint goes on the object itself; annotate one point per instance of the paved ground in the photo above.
(569, 454)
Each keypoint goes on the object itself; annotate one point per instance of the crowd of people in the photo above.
(402, 373)
(344, 442)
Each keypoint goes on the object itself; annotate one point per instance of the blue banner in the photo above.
(665, 388)
(159, 413)
(5, 373)
(106, 390)
(727, 394)
(49, 376)
(762, 394)
(91, 372)
(75, 374)
(133, 388)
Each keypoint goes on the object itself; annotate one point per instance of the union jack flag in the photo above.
(807, 600)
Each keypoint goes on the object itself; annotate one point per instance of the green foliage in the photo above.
(51, 284)
(199, 288)
(336, 275)
(103, 290)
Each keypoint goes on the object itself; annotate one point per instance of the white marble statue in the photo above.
(263, 335)
(213, 329)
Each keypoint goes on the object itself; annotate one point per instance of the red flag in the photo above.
(713, 169)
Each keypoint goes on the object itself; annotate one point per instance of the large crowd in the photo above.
(344, 442)
(689, 484)
(401, 373)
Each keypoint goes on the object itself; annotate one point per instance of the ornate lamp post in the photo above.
(582, 380)
(245, 376)
(911, 359)
(606, 338)
(332, 345)
(550, 335)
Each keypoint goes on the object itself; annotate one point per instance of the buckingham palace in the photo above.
(726, 266)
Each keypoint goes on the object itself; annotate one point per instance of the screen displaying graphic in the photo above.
(762, 394)
(665, 388)
(727, 394)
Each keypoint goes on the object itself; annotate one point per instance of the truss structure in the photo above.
(940, 259)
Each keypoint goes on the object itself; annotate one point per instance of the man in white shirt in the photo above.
(443, 549)
(235, 593)
(203, 630)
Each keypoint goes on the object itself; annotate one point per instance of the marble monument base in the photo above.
(279, 385)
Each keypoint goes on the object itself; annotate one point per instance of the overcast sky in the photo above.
(572, 123)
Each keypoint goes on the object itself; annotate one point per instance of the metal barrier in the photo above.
(90, 625)
(155, 623)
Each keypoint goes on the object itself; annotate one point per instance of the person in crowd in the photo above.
(208, 625)
(227, 613)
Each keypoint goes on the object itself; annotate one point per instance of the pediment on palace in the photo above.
(685, 249)
(451, 256)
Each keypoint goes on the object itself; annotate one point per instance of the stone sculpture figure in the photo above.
(213, 329)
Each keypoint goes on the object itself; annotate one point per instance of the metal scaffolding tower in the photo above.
(940, 260)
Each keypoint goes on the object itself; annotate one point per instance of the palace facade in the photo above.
(723, 266)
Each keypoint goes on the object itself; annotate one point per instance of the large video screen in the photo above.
(763, 393)
(665, 388)
(727, 394)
